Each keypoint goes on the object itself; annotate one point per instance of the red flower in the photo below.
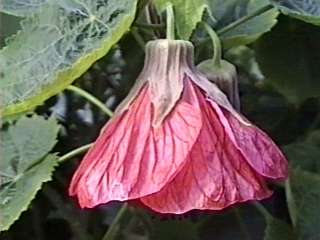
(176, 144)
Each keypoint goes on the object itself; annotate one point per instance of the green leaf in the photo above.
(306, 194)
(288, 57)
(56, 46)
(29, 140)
(16, 195)
(244, 58)
(25, 164)
(21, 7)
(305, 10)
(304, 155)
(229, 12)
(278, 230)
(188, 13)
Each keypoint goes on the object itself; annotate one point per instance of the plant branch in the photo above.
(114, 227)
(75, 152)
(262, 210)
(216, 45)
(170, 22)
(91, 99)
(150, 25)
(67, 213)
(242, 226)
(290, 202)
(138, 37)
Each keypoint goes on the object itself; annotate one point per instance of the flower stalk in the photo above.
(216, 44)
(91, 99)
(170, 22)
(220, 71)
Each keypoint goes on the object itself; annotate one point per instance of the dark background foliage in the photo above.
(279, 88)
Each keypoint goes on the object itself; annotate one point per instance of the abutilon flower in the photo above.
(176, 143)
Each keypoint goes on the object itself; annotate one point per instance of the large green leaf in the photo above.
(306, 10)
(228, 12)
(21, 7)
(25, 164)
(288, 57)
(57, 45)
(187, 14)
(306, 194)
(304, 155)
(278, 230)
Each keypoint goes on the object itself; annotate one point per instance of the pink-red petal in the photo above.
(257, 148)
(131, 159)
(215, 176)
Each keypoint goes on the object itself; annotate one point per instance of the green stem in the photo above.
(138, 38)
(91, 99)
(242, 226)
(244, 19)
(114, 227)
(216, 45)
(77, 225)
(75, 152)
(291, 203)
(151, 25)
(170, 22)
(262, 210)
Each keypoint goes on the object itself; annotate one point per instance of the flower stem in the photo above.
(242, 226)
(91, 99)
(150, 25)
(244, 19)
(75, 152)
(138, 38)
(291, 203)
(216, 45)
(114, 227)
(262, 210)
(170, 22)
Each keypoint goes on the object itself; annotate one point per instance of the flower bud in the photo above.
(224, 76)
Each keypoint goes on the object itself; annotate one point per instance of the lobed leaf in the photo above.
(57, 45)
(288, 58)
(25, 164)
(228, 12)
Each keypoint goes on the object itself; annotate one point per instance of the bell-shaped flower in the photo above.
(176, 143)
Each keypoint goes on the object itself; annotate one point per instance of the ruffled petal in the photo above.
(258, 149)
(215, 175)
(131, 159)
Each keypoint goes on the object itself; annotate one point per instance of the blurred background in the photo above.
(279, 89)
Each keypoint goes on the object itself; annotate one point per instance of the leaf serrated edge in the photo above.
(29, 12)
(34, 193)
(66, 77)
(309, 18)
(247, 39)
